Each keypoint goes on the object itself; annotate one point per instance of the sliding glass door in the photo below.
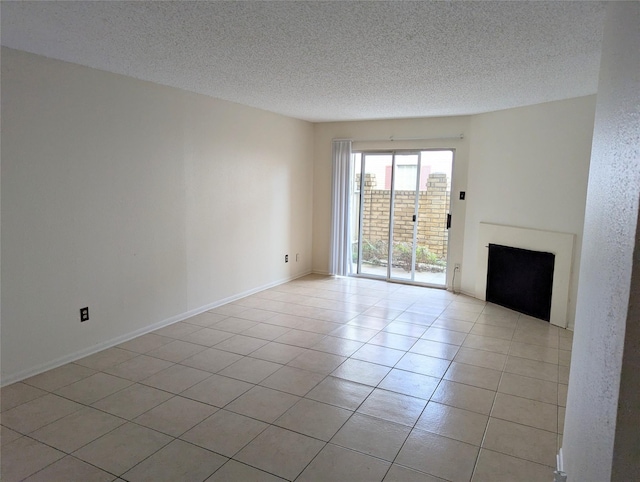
(400, 207)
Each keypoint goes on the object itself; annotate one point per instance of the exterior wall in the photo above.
(432, 213)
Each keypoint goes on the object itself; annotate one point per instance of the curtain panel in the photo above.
(339, 259)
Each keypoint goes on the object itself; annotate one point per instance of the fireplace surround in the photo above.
(559, 244)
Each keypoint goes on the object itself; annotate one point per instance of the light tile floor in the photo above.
(319, 379)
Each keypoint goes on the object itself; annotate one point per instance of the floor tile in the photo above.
(53, 379)
(211, 360)
(416, 318)
(317, 361)
(37, 413)
(444, 336)
(176, 462)
(440, 456)
(480, 358)
(250, 370)
(394, 407)
(563, 374)
(378, 354)
(7, 435)
(454, 325)
(177, 330)
(176, 379)
(229, 309)
(138, 368)
(496, 467)
(372, 436)
(454, 423)
(176, 351)
(532, 368)
(487, 343)
(564, 358)
(336, 463)
(356, 333)
(255, 314)
(562, 394)
(206, 337)
(70, 469)
(25, 457)
(132, 401)
(398, 473)
(527, 387)
(263, 404)
(18, 393)
(266, 332)
(225, 432)
(240, 344)
(534, 352)
(521, 441)
(278, 352)
(526, 412)
(93, 388)
(77, 429)
(234, 471)
(341, 393)
(473, 375)
(106, 358)
(370, 322)
(391, 340)
(145, 343)
(234, 325)
(337, 346)
(315, 419)
(361, 372)
(464, 396)
(435, 349)
(280, 452)
(175, 416)
(217, 390)
(205, 319)
(409, 383)
(425, 365)
(293, 380)
(406, 329)
(123, 448)
(303, 339)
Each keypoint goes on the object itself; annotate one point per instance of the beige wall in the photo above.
(601, 431)
(143, 202)
(402, 128)
(528, 167)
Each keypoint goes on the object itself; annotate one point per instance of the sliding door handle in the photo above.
(448, 221)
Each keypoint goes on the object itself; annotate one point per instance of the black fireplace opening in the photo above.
(521, 280)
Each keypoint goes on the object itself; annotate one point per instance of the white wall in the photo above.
(601, 436)
(140, 201)
(383, 129)
(528, 167)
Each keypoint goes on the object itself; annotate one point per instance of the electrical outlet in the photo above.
(456, 266)
(84, 314)
(286, 258)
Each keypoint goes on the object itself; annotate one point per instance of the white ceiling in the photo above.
(324, 61)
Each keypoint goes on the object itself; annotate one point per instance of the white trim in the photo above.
(24, 374)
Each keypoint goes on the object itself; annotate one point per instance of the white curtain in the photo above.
(340, 255)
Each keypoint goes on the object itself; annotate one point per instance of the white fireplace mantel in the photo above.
(560, 244)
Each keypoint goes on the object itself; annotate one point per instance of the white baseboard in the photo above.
(24, 374)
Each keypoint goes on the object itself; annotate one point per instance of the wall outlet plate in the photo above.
(84, 314)
(286, 258)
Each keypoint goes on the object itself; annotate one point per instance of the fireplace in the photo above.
(560, 245)
(520, 279)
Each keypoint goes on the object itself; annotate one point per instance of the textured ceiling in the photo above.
(324, 61)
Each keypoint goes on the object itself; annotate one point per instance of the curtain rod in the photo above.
(393, 138)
